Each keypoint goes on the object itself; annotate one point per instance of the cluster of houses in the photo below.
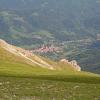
(46, 49)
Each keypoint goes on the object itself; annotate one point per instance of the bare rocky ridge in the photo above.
(73, 63)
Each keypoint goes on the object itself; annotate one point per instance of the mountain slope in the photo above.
(22, 54)
(89, 58)
(27, 76)
(15, 60)
(32, 23)
(65, 21)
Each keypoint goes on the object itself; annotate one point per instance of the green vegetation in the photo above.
(11, 64)
(31, 23)
(37, 89)
(21, 81)
(71, 21)
(37, 23)
(89, 59)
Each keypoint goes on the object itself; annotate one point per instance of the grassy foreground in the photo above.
(14, 88)
(49, 86)
(41, 84)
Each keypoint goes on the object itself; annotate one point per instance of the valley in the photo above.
(72, 27)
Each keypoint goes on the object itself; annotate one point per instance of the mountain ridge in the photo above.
(32, 59)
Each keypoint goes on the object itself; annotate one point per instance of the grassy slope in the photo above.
(12, 88)
(14, 65)
(18, 80)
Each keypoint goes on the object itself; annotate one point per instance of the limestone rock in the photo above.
(73, 63)
(64, 61)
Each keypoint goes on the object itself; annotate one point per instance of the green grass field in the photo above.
(20, 81)
(14, 88)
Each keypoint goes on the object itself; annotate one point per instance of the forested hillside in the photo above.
(67, 20)
(31, 23)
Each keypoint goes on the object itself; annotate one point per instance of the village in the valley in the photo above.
(46, 49)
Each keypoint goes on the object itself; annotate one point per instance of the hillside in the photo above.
(49, 49)
(25, 76)
(14, 59)
(33, 23)
(88, 58)
(68, 20)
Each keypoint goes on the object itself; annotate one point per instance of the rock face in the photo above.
(64, 61)
(76, 66)
(73, 63)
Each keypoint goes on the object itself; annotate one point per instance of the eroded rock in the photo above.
(73, 63)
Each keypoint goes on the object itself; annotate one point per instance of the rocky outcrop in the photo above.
(73, 63)
(64, 61)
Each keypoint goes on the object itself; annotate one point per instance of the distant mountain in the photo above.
(33, 23)
(60, 20)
